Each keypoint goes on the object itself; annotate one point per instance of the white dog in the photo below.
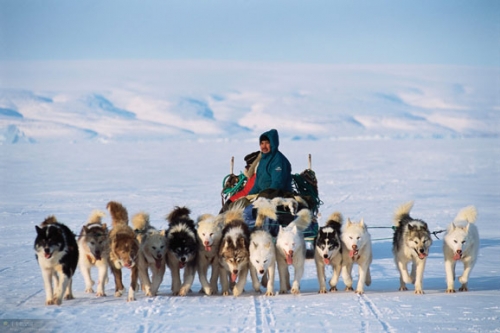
(263, 260)
(152, 255)
(291, 250)
(209, 230)
(461, 243)
(356, 248)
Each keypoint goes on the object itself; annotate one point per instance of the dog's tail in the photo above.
(205, 217)
(178, 213)
(49, 220)
(336, 217)
(119, 214)
(303, 219)
(235, 213)
(468, 214)
(265, 208)
(140, 221)
(402, 213)
(96, 217)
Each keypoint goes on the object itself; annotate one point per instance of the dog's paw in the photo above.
(69, 296)
(322, 291)
(283, 292)
(269, 293)
(419, 292)
(56, 301)
(450, 291)
(349, 288)
(403, 288)
(100, 294)
(89, 290)
(183, 291)
(295, 291)
(463, 288)
(359, 292)
(118, 293)
(49, 302)
(333, 289)
(130, 298)
(225, 293)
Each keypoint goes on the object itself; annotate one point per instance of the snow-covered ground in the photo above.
(365, 178)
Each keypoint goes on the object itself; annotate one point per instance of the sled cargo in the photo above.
(304, 191)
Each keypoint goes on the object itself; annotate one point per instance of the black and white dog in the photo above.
(57, 254)
(328, 251)
(182, 249)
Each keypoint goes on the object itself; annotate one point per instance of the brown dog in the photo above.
(124, 249)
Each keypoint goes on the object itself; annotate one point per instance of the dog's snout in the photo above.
(354, 247)
(421, 250)
(235, 271)
(325, 256)
(459, 251)
(261, 271)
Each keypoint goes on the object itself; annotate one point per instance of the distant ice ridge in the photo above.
(162, 100)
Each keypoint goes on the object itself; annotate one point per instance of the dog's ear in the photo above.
(411, 227)
(255, 245)
(38, 230)
(349, 221)
(467, 227)
(163, 232)
(294, 229)
(362, 223)
(268, 245)
(242, 241)
(105, 226)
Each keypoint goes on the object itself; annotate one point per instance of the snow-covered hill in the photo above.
(78, 101)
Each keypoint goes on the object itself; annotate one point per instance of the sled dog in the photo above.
(182, 249)
(328, 251)
(291, 250)
(411, 242)
(461, 243)
(263, 260)
(262, 248)
(356, 248)
(93, 245)
(57, 255)
(209, 231)
(124, 249)
(233, 251)
(152, 254)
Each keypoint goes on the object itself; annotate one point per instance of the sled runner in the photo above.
(305, 192)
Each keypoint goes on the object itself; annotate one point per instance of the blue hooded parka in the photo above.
(274, 170)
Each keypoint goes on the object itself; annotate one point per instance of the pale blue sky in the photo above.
(454, 32)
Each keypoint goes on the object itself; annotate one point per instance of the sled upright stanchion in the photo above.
(231, 170)
(310, 162)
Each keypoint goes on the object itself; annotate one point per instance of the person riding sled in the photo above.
(272, 178)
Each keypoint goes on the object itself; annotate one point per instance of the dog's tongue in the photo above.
(326, 261)
(97, 257)
(48, 255)
(457, 256)
(422, 255)
(234, 276)
(208, 248)
(158, 263)
(181, 265)
(352, 253)
(289, 259)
